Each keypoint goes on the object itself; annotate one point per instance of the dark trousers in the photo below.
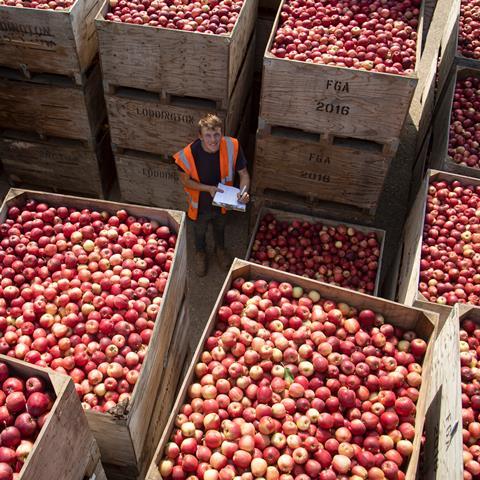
(218, 220)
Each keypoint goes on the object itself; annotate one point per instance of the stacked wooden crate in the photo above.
(423, 323)
(328, 134)
(154, 106)
(52, 110)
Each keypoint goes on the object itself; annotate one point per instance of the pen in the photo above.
(244, 189)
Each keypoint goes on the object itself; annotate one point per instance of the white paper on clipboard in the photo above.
(228, 198)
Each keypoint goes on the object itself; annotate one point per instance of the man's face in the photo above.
(211, 139)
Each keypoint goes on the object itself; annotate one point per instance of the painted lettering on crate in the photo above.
(151, 173)
(10, 31)
(163, 115)
(318, 158)
(316, 177)
(338, 86)
(331, 108)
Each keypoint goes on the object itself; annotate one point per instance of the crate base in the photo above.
(58, 165)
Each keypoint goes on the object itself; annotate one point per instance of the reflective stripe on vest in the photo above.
(231, 160)
(184, 159)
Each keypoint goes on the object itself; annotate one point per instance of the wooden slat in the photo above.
(443, 427)
(173, 365)
(338, 100)
(288, 161)
(121, 439)
(298, 203)
(264, 26)
(142, 121)
(159, 180)
(53, 107)
(58, 163)
(165, 60)
(286, 216)
(406, 317)
(47, 41)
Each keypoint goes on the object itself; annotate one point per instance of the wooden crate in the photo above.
(299, 203)
(174, 62)
(58, 164)
(286, 216)
(410, 318)
(142, 121)
(439, 157)
(47, 41)
(158, 175)
(342, 101)
(443, 427)
(320, 167)
(65, 436)
(411, 250)
(53, 106)
(122, 437)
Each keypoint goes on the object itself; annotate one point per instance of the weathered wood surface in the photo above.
(58, 164)
(47, 41)
(308, 164)
(172, 61)
(52, 106)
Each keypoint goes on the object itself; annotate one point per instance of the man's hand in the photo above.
(243, 198)
(213, 190)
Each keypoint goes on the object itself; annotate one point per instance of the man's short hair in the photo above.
(209, 121)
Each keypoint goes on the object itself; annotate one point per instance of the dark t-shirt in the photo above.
(208, 169)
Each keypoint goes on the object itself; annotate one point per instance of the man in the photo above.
(208, 161)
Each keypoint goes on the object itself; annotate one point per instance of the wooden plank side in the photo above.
(159, 180)
(173, 367)
(396, 314)
(57, 164)
(164, 128)
(83, 16)
(371, 106)
(443, 427)
(286, 216)
(113, 438)
(412, 242)
(264, 26)
(38, 40)
(141, 406)
(449, 41)
(240, 40)
(319, 170)
(298, 203)
(55, 109)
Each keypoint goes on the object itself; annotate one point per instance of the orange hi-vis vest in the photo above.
(228, 158)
